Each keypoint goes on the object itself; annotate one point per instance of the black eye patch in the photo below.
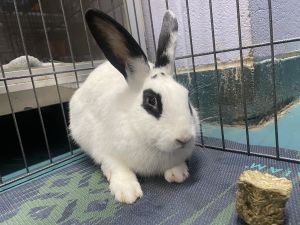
(152, 103)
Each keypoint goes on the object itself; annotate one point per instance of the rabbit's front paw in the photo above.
(126, 191)
(177, 174)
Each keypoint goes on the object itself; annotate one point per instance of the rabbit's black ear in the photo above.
(167, 42)
(118, 46)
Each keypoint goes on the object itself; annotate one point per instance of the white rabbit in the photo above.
(131, 116)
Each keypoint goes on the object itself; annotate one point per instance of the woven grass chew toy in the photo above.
(261, 198)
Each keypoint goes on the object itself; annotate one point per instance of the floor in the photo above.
(78, 194)
(288, 127)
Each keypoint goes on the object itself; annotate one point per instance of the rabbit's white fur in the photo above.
(108, 121)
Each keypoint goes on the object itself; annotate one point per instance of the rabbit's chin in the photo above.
(175, 147)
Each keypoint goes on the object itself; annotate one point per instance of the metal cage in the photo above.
(134, 26)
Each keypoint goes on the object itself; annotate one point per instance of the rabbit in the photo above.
(131, 116)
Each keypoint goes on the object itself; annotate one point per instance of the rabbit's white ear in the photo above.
(118, 46)
(167, 43)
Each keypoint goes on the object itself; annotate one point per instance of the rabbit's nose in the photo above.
(184, 139)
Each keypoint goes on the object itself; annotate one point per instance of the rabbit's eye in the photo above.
(152, 101)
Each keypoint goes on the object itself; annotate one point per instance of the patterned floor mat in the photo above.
(78, 194)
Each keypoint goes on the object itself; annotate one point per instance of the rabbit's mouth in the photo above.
(182, 146)
(175, 146)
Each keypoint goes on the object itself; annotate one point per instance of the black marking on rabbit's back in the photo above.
(153, 109)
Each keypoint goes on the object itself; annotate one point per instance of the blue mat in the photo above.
(78, 194)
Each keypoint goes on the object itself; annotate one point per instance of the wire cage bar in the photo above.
(69, 41)
(76, 70)
(242, 75)
(55, 74)
(152, 28)
(15, 123)
(273, 77)
(217, 72)
(86, 33)
(28, 170)
(284, 41)
(136, 22)
(32, 82)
